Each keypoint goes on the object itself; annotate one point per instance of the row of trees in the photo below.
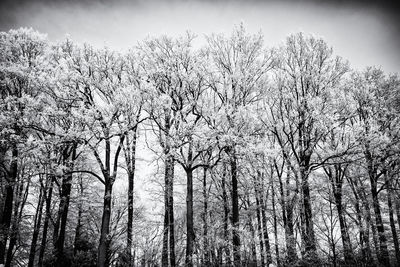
(288, 156)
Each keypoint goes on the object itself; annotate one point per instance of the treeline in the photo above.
(290, 157)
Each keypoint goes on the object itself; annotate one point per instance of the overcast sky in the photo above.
(364, 32)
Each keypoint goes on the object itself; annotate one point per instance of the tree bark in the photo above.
(172, 258)
(69, 155)
(19, 204)
(189, 219)
(103, 251)
(265, 231)
(78, 237)
(235, 209)
(278, 260)
(309, 235)
(5, 221)
(383, 253)
(48, 196)
(259, 226)
(336, 177)
(287, 214)
(130, 158)
(36, 227)
(164, 255)
(206, 261)
(391, 218)
(226, 216)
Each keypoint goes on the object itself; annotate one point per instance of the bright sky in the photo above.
(363, 34)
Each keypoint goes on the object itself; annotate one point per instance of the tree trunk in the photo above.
(48, 196)
(263, 206)
(168, 251)
(336, 175)
(172, 259)
(19, 204)
(189, 218)
(130, 158)
(130, 217)
(226, 216)
(278, 260)
(383, 253)
(370, 224)
(259, 226)
(391, 218)
(235, 209)
(103, 251)
(69, 155)
(265, 234)
(164, 256)
(253, 261)
(368, 221)
(397, 202)
(287, 215)
(78, 237)
(5, 221)
(309, 235)
(36, 227)
(206, 249)
(383, 250)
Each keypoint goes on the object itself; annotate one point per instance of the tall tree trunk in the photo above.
(130, 218)
(391, 217)
(130, 158)
(103, 251)
(168, 252)
(287, 199)
(383, 255)
(69, 155)
(397, 202)
(164, 255)
(235, 208)
(226, 216)
(189, 218)
(364, 232)
(5, 220)
(19, 204)
(265, 234)
(383, 250)
(368, 217)
(253, 261)
(172, 259)
(36, 227)
(290, 237)
(48, 196)
(308, 237)
(263, 205)
(206, 249)
(78, 237)
(278, 260)
(370, 225)
(336, 177)
(259, 225)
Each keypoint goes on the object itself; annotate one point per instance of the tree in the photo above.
(237, 73)
(301, 113)
(21, 57)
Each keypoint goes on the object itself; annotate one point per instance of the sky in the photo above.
(364, 32)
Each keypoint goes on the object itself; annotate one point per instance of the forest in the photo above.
(261, 156)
